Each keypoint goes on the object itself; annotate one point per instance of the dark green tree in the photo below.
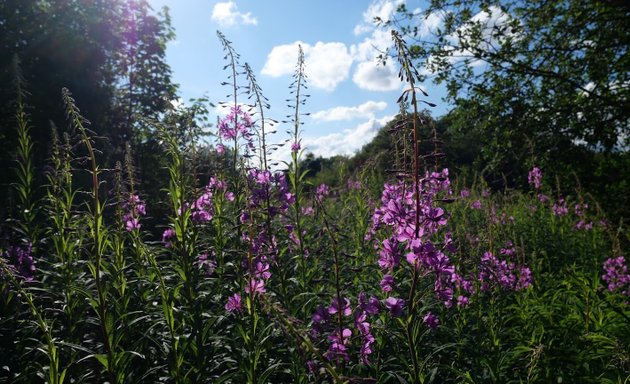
(535, 78)
(109, 53)
(537, 82)
(145, 89)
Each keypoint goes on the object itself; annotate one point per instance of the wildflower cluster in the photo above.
(583, 223)
(342, 336)
(202, 210)
(234, 303)
(21, 258)
(617, 275)
(413, 224)
(560, 208)
(534, 178)
(206, 264)
(134, 208)
(237, 125)
(502, 273)
(321, 192)
(263, 251)
(267, 188)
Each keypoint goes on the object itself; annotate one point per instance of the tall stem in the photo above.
(410, 74)
(78, 121)
(337, 279)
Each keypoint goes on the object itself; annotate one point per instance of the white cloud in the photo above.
(326, 64)
(382, 9)
(347, 142)
(490, 23)
(369, 74)
(365, 110)
(282, 59)
(430, 23)
(227, 15)
(378, 42)
(374, 76)
(177, 103)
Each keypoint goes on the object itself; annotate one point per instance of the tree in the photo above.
(145, 89)
(93, 48)
(537, 79)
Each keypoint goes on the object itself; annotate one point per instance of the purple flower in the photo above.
(370, 306)
(312, 365)
(580, 209)
(22, 260)
(202, 210)
(366, 337)
(535, 177)
(356, 184)
(617, 276)
(507, 275)
(262, 270)
(464, 193)
(436, 216)
(337, 350)
(387, 284)
(260, 177)
(462, 301)
(431, 321)
(462, 283)
(524, 279)
(560, 208)
(167, 237)
(508, 250)
(320, 315)
(342, 305)
(237, 124)
(476, 204)
(255, 286)
(234, 303)
(366, 349)
(295, 147)
(132, 224)
(449, 245)
(207, 265)
(134, 209)
(322, 191)
(543, 198)
(390, 257)
(395, 306)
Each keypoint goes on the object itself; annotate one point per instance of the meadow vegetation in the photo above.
(223, 267)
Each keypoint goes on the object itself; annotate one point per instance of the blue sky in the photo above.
(351, 96)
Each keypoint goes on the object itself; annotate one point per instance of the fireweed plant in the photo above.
(262, 275)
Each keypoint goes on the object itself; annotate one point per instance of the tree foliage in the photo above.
(534, 77)
(109, 53)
